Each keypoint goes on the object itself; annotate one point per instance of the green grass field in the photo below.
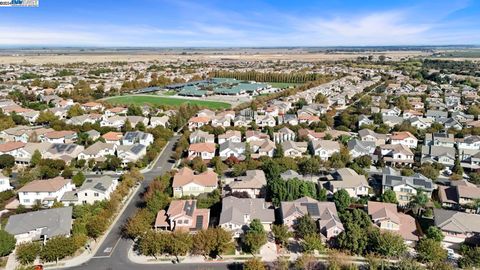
(156, 100)
(282, 85)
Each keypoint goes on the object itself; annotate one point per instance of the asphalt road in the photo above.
(113, 252)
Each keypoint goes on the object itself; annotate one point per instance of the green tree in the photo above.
(281, 234)
(212, 242)
(180, 244)
(255, 237)
(278, 151)
(272, 169)
(430, 251)
(218, 166)
(78, 179)
(75, 110)
(96, 226)
(36, 158)
(434, 233)
(127, 126)
(27, 253)
(309, 166)
(153, 243)
(389, 196)
(6, 161)
(419, 201)
(57, 248)
(321, 98)
(354, 238)
(388, 244)
(342, 200)
(470, 257)
(46, 117)
(312, 242)
(253, 264)
(7, 243)
(429, 171)
(138, 224)
(305, 225)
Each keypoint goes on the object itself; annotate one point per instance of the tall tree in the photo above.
(342, 200)
(305, 225)
(281, 234)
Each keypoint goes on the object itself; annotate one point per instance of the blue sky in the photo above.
(238, 23)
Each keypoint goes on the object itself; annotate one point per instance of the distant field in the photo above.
(156, 100)
(282, 85)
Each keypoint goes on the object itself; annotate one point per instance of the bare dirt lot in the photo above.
(64, 58)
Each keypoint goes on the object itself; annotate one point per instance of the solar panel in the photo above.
(189, 207)
(99, 186)
(312, 209)
(199, 223)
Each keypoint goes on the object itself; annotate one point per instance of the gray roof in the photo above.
(134, 148)
(234, 210)
(232, 145)
(436, 113)
(254, 179)
(62, 148)
(291, 174)
(100, 184)
(417, 180)
(51, 222)
(455, 221)
(132, 136)
(365, 147)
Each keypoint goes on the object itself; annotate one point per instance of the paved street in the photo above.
(113, 253)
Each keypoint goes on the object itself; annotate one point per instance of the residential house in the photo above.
(405, 187)
(92, 106)
(98, 151)
(253, 135)
(457, 227)
(294, 149)
(460, 193)
(131, 153)
(134, 137)
(386, 217)
(324, 214)
(186, 183)
(63, 136)
(197, 122)
(358, 148)
(113, 137)
(40, 225)
(261, 148)
(199, 136)
(161, 121)
(356, 185)
(404, 138)
(265, 121)
(44, 191)
(230, 135)
(204, 150)
(184, 215)
(237, 213)
(232, 149)
(394, 154)
(64, 151)
(368, 135)
(436, 115)
(284, 134)
(325, 148)
(253, 183)
(96, 189)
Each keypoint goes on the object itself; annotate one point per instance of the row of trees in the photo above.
(267, 77)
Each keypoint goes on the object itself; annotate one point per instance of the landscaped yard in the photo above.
(156, 100)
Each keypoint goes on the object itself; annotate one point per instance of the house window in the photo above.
(95, 194)
(86, 194)
(179, 221)
(26, 200)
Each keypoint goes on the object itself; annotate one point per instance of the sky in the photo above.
(241, 23)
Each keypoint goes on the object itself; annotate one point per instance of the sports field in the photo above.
(156, 100)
